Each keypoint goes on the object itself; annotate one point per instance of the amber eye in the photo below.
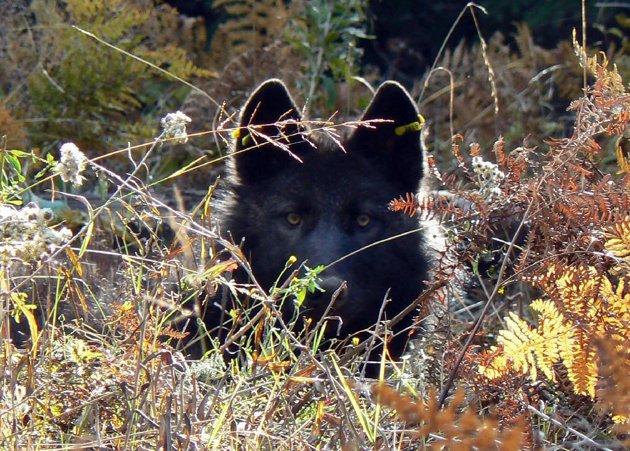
(294, 219)
(363, 220)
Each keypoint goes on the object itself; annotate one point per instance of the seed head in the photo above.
(71, 164)
(174, 125)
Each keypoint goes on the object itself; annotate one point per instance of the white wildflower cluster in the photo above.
(71, 164)
(489, 177)
(211, 367)
(174, 125)
(25, 235)
(416, 363)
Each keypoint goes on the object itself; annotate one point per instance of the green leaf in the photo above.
(88, 237)
(15, 162)
(300, 297)
(19, 153)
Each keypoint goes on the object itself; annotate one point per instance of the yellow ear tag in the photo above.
(411, 127)
(236, 134)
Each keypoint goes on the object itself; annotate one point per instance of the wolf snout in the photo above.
(331, 285)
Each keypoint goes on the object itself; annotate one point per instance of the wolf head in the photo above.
(296, 194)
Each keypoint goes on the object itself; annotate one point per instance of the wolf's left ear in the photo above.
(394, 145)
(269, 134)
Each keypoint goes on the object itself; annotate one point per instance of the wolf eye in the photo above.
(363, 220)
(294, 219)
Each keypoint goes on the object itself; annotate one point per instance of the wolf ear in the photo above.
(266, 145)
(394, 146)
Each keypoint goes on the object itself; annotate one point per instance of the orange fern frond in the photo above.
(619, 239)
(613, 389)
(526, 350)
(499, 151)
(456, 426)
(623, 159)
(582, 306)
(408, 204)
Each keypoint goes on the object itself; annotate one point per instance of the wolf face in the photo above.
(308, 196)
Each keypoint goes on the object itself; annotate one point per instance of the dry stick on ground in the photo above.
(477, 325)
(370, 346)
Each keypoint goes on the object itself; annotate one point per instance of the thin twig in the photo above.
(445, 41)
(251, 323)
(590, 441)
(426, 294)
(477, 325)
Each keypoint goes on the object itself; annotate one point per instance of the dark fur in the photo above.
(330, 188)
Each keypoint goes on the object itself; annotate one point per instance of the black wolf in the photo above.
(296, 193)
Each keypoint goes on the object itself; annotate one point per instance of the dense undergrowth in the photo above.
(105, 247)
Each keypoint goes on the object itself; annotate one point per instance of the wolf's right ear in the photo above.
(270, 135)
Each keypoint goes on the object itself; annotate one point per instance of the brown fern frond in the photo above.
(12, 128)
(613, 389)
(456, 426)
(456, 142)
(505, 396)
(475, 150)
(499, 151)
(425, 207)
(433, 167)
(622, 154)
(407, 204)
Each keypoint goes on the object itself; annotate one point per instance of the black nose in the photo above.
(331, 284)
